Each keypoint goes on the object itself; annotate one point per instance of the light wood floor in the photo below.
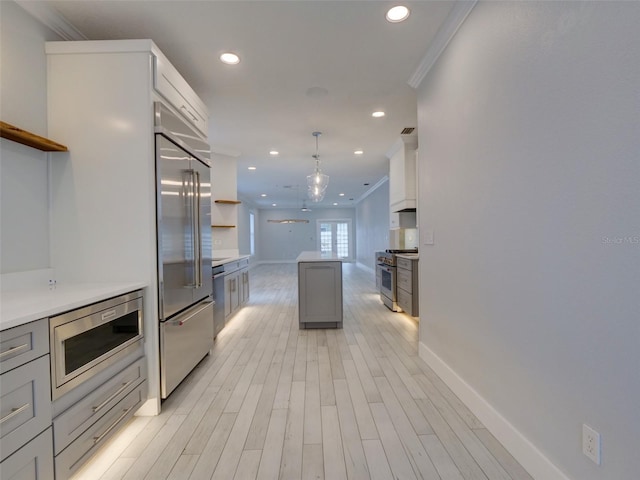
(273, 401)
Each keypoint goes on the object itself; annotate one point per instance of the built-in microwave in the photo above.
(90, 339)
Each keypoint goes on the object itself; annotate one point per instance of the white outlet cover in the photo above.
(591, 444)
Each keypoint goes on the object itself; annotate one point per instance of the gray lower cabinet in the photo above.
(407, 285)
(320, 294)
(34, 461)
(236, 285)
(26, 447)
(71, 423)
(88, 442)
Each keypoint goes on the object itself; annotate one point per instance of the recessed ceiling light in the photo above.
(251, 168)
(358, 152)
(335, 203)
(274, 152)
(341, 194)
(274, 204)
(377, 114)
(263, 194)
(230, 58)
(397, 14)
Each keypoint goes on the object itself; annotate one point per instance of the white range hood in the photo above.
(402, 174)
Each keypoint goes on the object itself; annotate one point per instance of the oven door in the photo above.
(388, 281)
(84, 345)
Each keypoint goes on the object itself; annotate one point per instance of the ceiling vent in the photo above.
(407, 130)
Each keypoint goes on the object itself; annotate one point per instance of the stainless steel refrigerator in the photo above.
(184, 247)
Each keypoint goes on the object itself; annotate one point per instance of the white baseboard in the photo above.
(525, 452)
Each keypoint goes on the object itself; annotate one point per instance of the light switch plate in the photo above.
(429, 237)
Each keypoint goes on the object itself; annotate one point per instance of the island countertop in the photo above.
(316, 256)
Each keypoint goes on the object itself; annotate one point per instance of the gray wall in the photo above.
(284, 242)
(372, 225)
(24, 186)
(530, 178)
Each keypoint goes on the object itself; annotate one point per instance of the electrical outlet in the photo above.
(591, 443)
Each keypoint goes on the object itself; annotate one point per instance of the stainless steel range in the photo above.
(386, 277)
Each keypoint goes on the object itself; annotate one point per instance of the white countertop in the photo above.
(221, 261)
(408, 256)
(25, 305)
(316, 256)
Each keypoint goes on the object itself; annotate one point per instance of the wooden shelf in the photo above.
(223, 226)
(228, 202)
(30, 139)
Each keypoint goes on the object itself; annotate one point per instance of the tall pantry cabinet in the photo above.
(103, 209)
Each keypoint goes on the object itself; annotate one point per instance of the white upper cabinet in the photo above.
(402, 174)
(402, 181)
(168, 83)
(174, 88)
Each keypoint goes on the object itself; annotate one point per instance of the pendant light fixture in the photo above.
(317, 182)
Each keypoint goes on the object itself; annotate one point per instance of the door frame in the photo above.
(349, 222)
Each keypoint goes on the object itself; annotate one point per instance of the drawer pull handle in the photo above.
(14, 412)
(118, 392)
(13, 350)
(193, 117)
(111, 427)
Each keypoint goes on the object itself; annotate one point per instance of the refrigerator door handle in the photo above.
(198, 242)
(191, 204)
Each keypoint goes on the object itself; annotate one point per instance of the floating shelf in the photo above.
(228, 202)
(30, 139)
(223, 226)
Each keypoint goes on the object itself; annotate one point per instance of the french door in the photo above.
(334, 236)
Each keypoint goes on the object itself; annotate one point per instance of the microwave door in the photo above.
(177, 232)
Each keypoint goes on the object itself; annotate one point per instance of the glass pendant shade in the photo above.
(317, 182)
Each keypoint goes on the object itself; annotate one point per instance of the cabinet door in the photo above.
(244, 277)
(34, 461)
(320, 293)
(231, 292)
(25, 405)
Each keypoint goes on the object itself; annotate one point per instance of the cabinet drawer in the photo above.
(81, 449)
(404, 263)
(33, 461)
(22, 344)
(25, 404)
(71, 423)
(172, 86)
(405, 301)
(405, 280)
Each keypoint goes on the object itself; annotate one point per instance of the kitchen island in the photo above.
(319, 290)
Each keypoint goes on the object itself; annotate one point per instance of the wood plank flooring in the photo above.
(276, 402)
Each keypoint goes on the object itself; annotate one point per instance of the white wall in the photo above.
(224, 187)
(244, 239)
(284, 242)
(529, 128)
(372, 225)
(24, 189)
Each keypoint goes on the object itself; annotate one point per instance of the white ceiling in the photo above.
(286, 47)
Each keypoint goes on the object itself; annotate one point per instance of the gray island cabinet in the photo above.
(319, 290)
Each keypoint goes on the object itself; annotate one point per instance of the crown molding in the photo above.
(454, 20)
(51, 18)
(372, 189)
